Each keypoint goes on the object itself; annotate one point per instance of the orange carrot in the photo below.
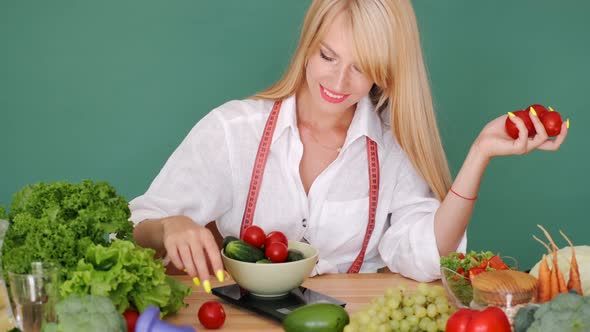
(544, 285)
(544, 290)
(556, 284)
(561, 282)
(574, 283)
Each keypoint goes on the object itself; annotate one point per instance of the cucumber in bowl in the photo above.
(242, 251)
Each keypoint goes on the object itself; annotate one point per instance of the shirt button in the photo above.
(304, 222)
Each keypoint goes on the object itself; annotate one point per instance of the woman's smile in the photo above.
(331, 96)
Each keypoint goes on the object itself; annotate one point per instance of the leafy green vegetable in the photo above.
(88, 313)
(565, 312)
(460, 286)
(56, 222)
(128, 275)
(453, 261)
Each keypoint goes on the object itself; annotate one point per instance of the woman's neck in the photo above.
(313, 116)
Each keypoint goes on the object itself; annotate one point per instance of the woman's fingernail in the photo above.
(220, 276)
(197, 281)
(567, 123)
(551, 109)
(510, 114)
(532, 110)
(207, 286)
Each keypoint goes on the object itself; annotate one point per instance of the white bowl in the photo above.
(273, 279)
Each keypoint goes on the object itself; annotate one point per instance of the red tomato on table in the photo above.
(212, 315)
(491, 319)
(277, 252)
(276, 236)
(254, 235)
(131, 317)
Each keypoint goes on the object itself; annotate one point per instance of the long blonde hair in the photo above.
(387, 48)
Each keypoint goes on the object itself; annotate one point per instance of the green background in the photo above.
(107, 89)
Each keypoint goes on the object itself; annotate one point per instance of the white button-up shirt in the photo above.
(208, 176)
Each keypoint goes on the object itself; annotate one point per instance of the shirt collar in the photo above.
(366, 121)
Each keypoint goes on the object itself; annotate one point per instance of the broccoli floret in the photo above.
(525, 317)
(88, 313)
(567, 312)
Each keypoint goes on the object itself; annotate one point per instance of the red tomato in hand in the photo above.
(254, 235)
(552, 123)
(277, 252)
(276, 236)
(511, 128)
(539, 109)
(212, 315)
(131, 317)
(491, 319)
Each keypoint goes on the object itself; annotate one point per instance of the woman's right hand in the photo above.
(192, 248)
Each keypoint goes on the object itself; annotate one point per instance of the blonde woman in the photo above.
(342, 152)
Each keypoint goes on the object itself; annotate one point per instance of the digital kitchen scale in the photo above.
(276, 308)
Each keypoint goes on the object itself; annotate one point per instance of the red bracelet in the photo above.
(466, 198)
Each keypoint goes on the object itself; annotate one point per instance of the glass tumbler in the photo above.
(34, 296)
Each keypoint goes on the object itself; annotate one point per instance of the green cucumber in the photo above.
(242, 251)
(317, 317)
(294, 255)
(229, 239)
(264, 261)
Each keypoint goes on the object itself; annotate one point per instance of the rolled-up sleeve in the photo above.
(409, 245)
(194, 180)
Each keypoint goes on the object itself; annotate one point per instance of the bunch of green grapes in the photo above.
(425, 309)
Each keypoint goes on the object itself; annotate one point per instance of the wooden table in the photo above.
(356, 290)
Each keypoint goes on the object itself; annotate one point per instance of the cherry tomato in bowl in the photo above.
(277, 252)
(212, 315)
(276, 236)
(254, 235)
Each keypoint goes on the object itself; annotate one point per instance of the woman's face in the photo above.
(333, 78)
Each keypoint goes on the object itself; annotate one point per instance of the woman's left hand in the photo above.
(493, 140)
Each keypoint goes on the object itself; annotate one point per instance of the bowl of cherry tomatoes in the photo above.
(267, 265)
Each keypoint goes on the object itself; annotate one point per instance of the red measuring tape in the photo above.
(259, 164)
(258, 172)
